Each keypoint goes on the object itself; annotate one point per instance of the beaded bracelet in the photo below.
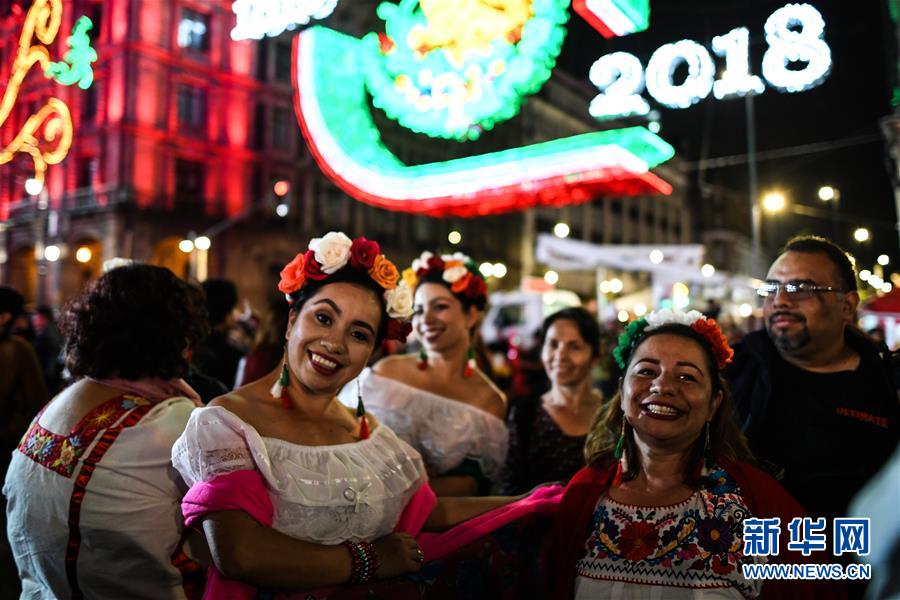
(364, 561)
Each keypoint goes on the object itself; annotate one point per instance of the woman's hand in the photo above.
(398, 554)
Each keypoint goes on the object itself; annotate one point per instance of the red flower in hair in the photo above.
(398, 330)
(462, 284)
(293, 275)
(363, 253)
(476, 288)
(709, 329)
(313, 268)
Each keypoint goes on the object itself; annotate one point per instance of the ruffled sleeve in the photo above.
(214, 442)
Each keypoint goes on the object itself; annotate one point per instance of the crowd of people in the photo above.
(179, 459)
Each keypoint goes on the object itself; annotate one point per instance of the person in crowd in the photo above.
(816, 400)
(438, 400)
(269, 346)
(659, 511)
(216, 357)
(547, 431)
(22, 388)
(93, 503)
(47, 345)
(293, 489)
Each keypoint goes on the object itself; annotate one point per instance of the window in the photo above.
(96, 16)
(193, 30)
(262, 59)
(259, 127)
(87, 168)
(283, 62)
(89, 106)
(190, 180)
(281, 128)
(192, 107)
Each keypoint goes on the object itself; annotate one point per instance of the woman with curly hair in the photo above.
(93, 503)
(438, 400)
(660, 511)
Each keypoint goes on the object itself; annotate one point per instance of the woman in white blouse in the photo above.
(282, 451)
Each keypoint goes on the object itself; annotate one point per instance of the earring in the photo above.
(361, 414)
(470, 364)
(279, 390)
(422, 360)
(617, 454)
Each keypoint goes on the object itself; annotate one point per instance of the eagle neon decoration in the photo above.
(332, 108)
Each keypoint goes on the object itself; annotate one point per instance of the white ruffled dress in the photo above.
(321, 494)
(443, 430)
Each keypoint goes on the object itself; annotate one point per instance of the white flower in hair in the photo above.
(331, 251)
(454, 274)
(399, 301)
(668, 316)
(455, 256)
(115, 263)
(422, 261)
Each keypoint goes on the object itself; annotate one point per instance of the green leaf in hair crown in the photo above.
(627, 340)
(453, 68)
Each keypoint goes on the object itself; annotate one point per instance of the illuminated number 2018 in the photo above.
(794, 34)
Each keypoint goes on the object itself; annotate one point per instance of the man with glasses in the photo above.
(816, 399)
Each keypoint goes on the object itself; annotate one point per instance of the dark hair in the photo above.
(45, 311)
(583, 320)
(725, 438)
(437, 276)
(840, 258)
(221, 298)
(13, 302)
(346, 274)
(135, 321)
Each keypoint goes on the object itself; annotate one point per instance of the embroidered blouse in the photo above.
(445, 431)
(98, 510)
(321, 494)
(688, 550)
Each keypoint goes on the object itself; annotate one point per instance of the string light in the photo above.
(795, 33)
(737, 80)
(661, 72)
(256, 19)
(620, 78)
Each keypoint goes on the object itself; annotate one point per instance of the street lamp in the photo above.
(774, 202)
(832, 195)
(883, 260)
(33, 187)
(861, 234)
(827, 193)
(561, 230)
(454, 237)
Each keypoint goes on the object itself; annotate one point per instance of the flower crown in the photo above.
(457, 269)
(329, 254)
(708, 328)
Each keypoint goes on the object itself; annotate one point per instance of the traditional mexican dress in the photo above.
(96, 512)
(320, 494)
(453, 437)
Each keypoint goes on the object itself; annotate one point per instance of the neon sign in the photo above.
(437, 73)
(46, 135)
(794, 34)
(332, 88)
(257, 19)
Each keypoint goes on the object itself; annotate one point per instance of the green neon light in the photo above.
(458, 89)
(77, 66)
(637, 11)
(341, 99)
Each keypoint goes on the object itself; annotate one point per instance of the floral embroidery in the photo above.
(60, 453)
(696, 543)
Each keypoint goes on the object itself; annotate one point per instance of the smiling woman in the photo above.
(668, 486)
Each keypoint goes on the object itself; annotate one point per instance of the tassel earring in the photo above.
(279, 390)
(470, 364)
(617, 454)
(361, 414)
(422, 360)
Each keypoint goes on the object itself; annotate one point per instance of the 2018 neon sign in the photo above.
(794, 34)
(257, 19)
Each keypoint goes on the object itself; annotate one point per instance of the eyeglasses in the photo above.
(796, 291)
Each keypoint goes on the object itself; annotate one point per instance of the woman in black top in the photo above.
(547, 432)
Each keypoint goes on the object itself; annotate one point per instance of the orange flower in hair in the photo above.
(384, 273)
(293, 275)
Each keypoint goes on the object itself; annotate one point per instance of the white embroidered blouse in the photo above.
(443, 430)
(321, 494)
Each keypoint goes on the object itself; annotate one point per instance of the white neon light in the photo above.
(789, 45)
(416, 186)
(661, 70)
(737, 80)
(617, 21)
(620, 78)
(257, 19)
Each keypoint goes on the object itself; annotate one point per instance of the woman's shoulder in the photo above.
(395, 367)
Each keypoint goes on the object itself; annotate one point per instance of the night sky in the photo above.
(849, 103)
